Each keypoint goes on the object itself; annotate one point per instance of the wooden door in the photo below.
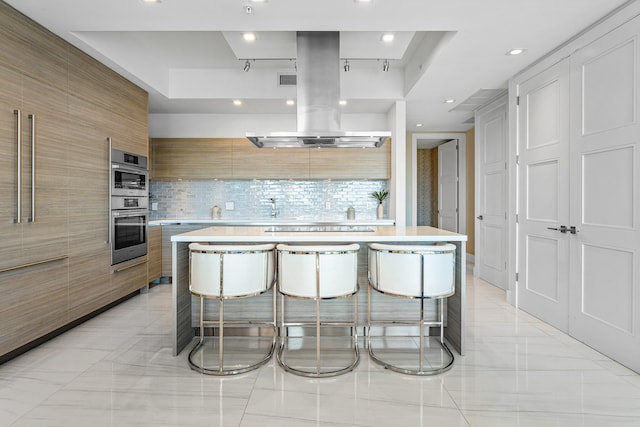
(491, 155)
(45, 180)
(605, 196)
(11, 232)
(543, 194)
(448, 186)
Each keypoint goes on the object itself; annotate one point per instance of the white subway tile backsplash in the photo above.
(294, 199)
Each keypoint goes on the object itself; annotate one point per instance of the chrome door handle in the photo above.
(32, 117)
(573, 230)
(563, 229)
(18, 114)
(480, 217)
(109, 147)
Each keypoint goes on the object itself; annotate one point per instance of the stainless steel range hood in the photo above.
(318, 86)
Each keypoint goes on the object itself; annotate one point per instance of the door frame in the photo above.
(462, 175)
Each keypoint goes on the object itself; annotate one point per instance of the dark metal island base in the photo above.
(183, 320)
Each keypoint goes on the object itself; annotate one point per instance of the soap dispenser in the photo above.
(351, 213)
(216, 212)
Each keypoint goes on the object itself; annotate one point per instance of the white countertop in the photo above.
(380, 234)
(269, 221)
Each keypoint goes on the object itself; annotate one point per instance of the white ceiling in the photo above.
(189, 54)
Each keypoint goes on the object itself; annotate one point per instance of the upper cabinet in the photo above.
(250, 162)
(222, 158)
(191, 158)
(351, 163)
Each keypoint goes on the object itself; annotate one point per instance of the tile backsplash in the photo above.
(327, 199)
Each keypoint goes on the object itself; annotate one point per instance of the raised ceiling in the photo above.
(189, 54)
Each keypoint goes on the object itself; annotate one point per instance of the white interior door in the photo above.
(448, 186)
(605, 191)
(491, 220)
(543, 205)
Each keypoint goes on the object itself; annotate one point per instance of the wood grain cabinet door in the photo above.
(199, 158)
(250, 162)
(350, 163)
(10, 100)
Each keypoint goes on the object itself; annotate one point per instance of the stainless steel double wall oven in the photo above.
(129, 206)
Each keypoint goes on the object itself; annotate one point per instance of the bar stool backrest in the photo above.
(338, 273)
(246, 269)
(396, 269)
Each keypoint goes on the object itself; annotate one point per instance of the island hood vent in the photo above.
(318, 88)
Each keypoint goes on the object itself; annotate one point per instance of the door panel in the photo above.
(491, 148)
(605, 196)
(48, 233)
(448, 186)
(10, 100)
(544, 267)
(543, 152)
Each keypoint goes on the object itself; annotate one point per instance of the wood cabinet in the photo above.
(127, 277)
(55, 266)
(192, 158)
(154, 253)
(34, 303)
(237, 158)
(250, 162)
(351, 163)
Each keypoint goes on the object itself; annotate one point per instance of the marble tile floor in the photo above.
(117, 370)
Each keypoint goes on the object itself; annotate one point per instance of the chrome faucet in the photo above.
(274, 210)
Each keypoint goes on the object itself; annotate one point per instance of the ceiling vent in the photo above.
(287, 79)
(478, 99)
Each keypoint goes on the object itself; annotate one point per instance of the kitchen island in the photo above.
(183, 322)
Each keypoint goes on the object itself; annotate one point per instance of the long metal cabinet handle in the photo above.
(18, 114)
(109, 183)
(31, 264)
(118, 270)
(32, 117)
(110, 144)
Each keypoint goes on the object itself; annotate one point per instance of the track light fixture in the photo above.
(247, 66)
(346, 66)
(385, 65)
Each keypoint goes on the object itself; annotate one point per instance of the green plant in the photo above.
(380, 195)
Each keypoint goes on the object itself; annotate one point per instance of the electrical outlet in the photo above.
(229, 206)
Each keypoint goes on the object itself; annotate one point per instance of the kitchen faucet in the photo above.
(274, 210)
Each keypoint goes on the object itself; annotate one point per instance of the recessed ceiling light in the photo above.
(258, 1)
(387, 37)
(449, 101)
(342, 102)
(516, 51)
(151, 1)
(363, 1)
(237, 102)
(249, 37)
(419, 125)
(290, 102)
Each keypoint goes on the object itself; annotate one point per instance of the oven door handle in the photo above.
(128, 213)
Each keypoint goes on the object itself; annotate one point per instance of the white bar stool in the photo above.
(225, 272)
(318, 273)
(413, 271)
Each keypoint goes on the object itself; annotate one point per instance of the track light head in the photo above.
(347, 67)
(247, 66)
(385, 65)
